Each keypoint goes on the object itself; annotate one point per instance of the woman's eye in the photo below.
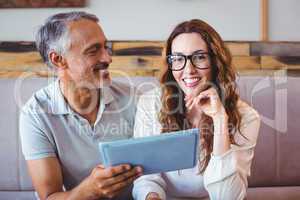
(199, 57)
(177, 59)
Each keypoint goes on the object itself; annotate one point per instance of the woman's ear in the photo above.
(57, 60)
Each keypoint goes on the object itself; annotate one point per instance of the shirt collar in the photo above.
(59, 105)
(106, 95)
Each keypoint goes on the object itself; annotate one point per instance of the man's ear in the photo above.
(57, 60)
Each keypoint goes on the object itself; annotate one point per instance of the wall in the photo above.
(153, 20)
(284, 20)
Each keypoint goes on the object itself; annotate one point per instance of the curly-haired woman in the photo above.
(198, 90)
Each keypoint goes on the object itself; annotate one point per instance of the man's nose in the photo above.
(106, 57)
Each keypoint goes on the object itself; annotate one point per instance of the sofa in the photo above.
(275, 173)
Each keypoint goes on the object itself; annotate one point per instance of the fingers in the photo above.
(209, 96)
(100, 166)
(135, 172)
(189, 98)
(119, 183)
(201, 99)
(99, 172)
(110, 181)
(188, 103)
(114, 171)
(152, 196)
(110, 194)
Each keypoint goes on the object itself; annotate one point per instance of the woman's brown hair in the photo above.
(172, 115)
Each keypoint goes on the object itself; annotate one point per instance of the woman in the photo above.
(198, 90)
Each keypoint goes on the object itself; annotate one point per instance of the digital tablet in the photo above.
(162, 153)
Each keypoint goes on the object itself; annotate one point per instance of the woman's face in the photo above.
(191, 77)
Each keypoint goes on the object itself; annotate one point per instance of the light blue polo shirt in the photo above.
(50, 128)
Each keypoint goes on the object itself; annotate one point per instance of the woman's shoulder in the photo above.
(151, 98)
(146, 121)
(246, 111)
(154, 92)
(250, 124)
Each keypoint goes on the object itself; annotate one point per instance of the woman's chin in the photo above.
(187, 91)
(196, 89)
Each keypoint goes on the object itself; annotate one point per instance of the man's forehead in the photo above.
(84, 31)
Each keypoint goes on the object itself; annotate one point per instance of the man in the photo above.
(62, 124)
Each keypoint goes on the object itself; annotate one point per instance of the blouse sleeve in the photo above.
(226, 175)
(147, 124)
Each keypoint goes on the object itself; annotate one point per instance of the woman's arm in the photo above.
(226, 174)
(221, 142)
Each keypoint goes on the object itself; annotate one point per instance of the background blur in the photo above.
(153, 20)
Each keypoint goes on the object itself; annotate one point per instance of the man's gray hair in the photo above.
(54, 36)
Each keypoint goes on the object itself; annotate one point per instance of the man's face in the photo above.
(87, 58)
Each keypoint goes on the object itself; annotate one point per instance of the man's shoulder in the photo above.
(122, 89)
(123, 92)
(40, 100)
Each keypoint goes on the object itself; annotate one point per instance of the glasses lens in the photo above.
(176, 61)
(198, 59)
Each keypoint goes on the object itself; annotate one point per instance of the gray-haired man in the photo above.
(61, 124)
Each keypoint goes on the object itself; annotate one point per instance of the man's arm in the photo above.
(47, 179)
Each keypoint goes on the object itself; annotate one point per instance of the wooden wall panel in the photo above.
(277, 62)
(246, 62)
(19, 74)
(275, 48)
(239, 48)
(136, 62)
(21, 61)
(137, 48)
(144, 58)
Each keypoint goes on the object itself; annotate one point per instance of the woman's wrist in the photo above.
(220, 119)
(221, 134)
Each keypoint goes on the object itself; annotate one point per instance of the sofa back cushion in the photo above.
(13, 170)
(276, 160)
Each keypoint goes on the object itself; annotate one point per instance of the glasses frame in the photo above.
(186, 57)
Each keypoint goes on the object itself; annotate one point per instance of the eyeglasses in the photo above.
(178, 62)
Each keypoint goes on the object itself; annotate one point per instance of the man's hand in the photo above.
(109, 182)
(153, 196)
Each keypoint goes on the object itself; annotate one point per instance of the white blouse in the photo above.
(225, 177)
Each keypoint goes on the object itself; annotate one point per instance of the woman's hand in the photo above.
(207, 101)
(153, 196)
